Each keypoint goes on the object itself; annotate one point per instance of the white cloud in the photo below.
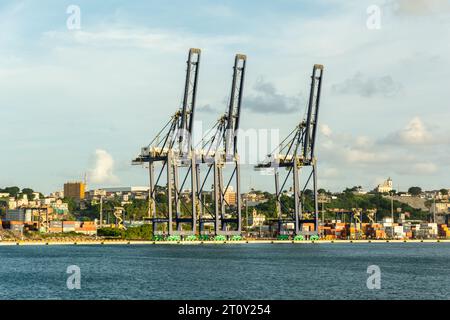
(103, 170)
(421, 7)
(329, 173)
(363, 141)
(325, 130)
(207, 108)
(425, 168)
(415, 132)
(218, 10)
(372, 161)
(418, 169)
(268, 100)
(158, 39)
(364, 157)
(368, 86)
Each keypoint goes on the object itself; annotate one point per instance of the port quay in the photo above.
(237, 242)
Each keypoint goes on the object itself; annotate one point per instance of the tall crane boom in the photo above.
(234, 109)
(297, 153)
(313, 113)
(190, 92)
(176, 164)
(219, 152)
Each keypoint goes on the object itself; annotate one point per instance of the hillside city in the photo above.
(123, 212)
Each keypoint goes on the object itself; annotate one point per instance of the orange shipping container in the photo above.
(16, 222)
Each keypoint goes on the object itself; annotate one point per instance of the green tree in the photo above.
(13, 191)
(444, 192)
(110, 232)
(137, 209)
(71, 203)
(415, 191)
(3, 207)
(308, 193)
(28, 192)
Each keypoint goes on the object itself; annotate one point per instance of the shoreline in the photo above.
(146, 242)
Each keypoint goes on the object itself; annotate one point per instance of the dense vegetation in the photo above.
(346, 200)
(143, 232)
(16, 192)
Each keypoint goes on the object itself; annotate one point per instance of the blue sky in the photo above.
(76, 101)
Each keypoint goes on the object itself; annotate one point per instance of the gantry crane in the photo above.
(298, 154)
(119, 215)
(371, 215)
(356, 218)
(172, 150)
(218, 151)
(357, 215)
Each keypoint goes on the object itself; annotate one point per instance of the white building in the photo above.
(257, 219)
(119, 190)
(384, 187)
(57, 194)
(440, 207)
(12, 204)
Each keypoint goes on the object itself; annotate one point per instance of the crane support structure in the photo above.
(296, 154)
(219, 152)
(171, 152)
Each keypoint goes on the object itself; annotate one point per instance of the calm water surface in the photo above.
(251, 271)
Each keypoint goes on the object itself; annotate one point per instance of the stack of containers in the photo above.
(371, 230)
(87, 227)
(389, 231)
(340, 230)
(365, 228)
(56, 226)
(380, 234)
(407, 229)
(399, 232)
(444, 231)
(16, 226)
(68, 226)
(307, 226)
(427, 230)
(328, 232)
(433, 229)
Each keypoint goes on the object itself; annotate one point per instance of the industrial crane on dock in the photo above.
(217, 152)
(371, 215)
(172, 150)
(297, 154)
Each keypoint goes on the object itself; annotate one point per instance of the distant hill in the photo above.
(415, 202)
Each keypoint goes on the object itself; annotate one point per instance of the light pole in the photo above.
(246, 213)
(101, 211)
(260, 227)
(434, 208)
(322, 200)
(392, 214)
